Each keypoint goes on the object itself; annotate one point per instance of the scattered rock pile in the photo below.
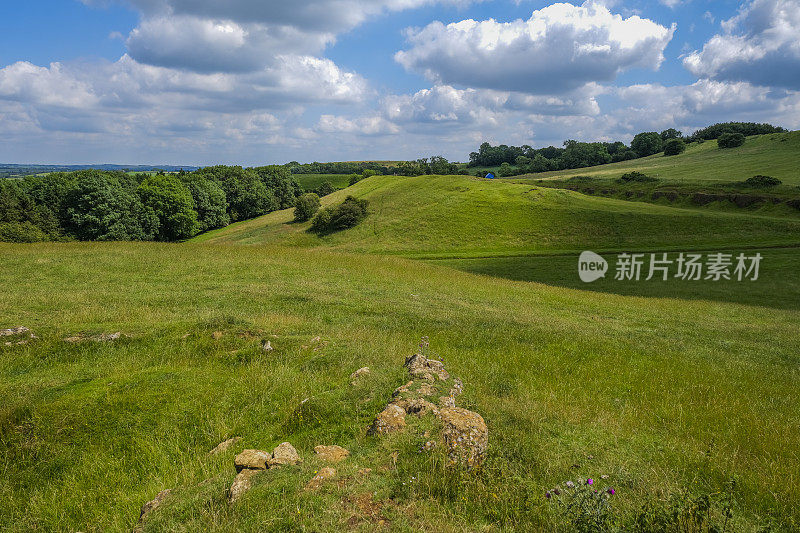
(250, 462)
(464, 433)
(103, 337)
(21, 334)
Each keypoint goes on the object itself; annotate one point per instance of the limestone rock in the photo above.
(361, 372)
(391, 419)
(266, 346)
(402, 390)
(242, 483)
(224, 446)
(331, 454)
(465, 434)
(457, 389)
(420, 366)
(320, 478)
(426, 389)
(420, 407)
(447, 401)
(13, 331)
(284, 454)
(252, 460)
(151, 506)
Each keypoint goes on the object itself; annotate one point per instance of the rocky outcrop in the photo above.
(320, 478)
(149, 507)
(242, 483)
(465, 434)
(252, 460)
(284, 454)
(356, 376)
(331, 454)
(390, 420)
(223, 447)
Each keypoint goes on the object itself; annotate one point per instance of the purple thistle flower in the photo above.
(547, 494)
(611, 491)
(590, 481)
(556, 491)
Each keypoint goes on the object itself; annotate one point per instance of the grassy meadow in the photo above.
(570, 383)
(681, 396)
(309, 182)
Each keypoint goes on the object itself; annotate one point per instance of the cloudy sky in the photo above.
(270, 81)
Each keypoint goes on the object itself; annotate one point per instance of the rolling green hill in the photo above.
(462, 216)
(776, 155)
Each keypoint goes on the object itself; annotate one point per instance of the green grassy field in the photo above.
(684, 394)
(570, 383)
(776, 155)
(309, 182)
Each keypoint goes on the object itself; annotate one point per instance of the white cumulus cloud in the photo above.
(561, 47)
(760, 45)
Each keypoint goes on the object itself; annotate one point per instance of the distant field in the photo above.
(309, 182)
(777, 155)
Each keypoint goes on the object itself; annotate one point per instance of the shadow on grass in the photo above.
(778, 285)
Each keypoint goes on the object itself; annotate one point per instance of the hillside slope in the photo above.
(466, 216)
(776, 155)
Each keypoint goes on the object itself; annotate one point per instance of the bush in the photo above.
(306, 206)
(674, 147)
(346, 215)
(634, 176)
(730, 140)
(762, 182)
(21, 232)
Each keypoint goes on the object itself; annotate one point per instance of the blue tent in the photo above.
(489, 176)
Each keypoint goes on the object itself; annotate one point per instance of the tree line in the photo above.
(525, 159)
(98, 205)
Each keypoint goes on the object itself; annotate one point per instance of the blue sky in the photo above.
(263, 81)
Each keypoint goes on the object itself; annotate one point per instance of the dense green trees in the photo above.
(172, 203)
(744, 128)
(113, 205)
(647, 143)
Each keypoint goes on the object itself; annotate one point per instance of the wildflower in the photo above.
(547, 494)
(604, 476)
(570, 484)
(590, 481)
(557, 491)
(611, 491)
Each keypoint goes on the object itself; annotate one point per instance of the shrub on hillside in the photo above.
(674, 147)
(635, 176)
(343, 216)
(306, 206)
(730, 140)
(762, 182)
